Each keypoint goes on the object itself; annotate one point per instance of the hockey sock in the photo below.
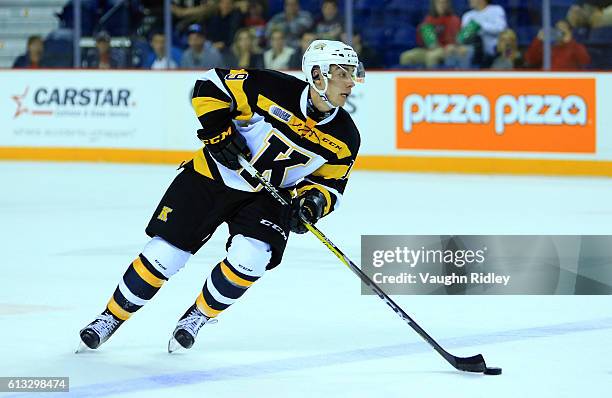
(222, 288)
(139, 284)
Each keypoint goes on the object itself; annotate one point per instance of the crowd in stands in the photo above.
(483, 38)
(504, 34)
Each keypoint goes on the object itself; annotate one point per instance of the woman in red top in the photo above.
(566, 52)
(438, 30)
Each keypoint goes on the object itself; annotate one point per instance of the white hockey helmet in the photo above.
(324, 53)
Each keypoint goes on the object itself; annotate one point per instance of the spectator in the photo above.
(330, 25)
(509, 56)
(279, 54)
(599, 13)
(296, 59)
(103, 56)
(157, 59)
(187, 12)
(370, 58)
(480, 28)
(437, 31)
(223, 25)
(255, 15)
(292, 22)
(243, 52)
(242, 6)
(34, 56)
(201, 54)
(255, 19)
(567, 53)
(578, 19)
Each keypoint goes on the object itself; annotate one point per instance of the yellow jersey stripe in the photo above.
(323, 190)
(306, 129)
(201, 165)
(329, 171)
(145, 274)
(231, 276)
(205, 308)
(310, 122)
(117, 311)
(236, 86)
(204, 105)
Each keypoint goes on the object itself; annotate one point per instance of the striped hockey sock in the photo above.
(222, 288)
(139, 284)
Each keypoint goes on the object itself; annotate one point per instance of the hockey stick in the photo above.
(474, 363)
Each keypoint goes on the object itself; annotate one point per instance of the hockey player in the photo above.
(295, 133)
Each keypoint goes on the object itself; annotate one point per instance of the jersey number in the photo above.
(236, 76)
(275, 160)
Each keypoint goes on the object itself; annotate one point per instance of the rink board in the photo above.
(518, 123)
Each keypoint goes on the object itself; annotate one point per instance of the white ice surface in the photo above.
(68, 231)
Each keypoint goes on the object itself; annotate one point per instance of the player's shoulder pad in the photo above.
(273, 78)
(345, 125)
(221, 74)
(210, 84)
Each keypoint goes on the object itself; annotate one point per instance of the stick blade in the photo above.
(474, 363)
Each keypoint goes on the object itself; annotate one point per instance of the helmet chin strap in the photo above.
(322, 92)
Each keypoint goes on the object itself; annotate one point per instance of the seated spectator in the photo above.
(242, 6)
(58, 49)
(34, 56)
(330, 25)
(567, 53)
(201, 54)
(188, 12)
(296, 59)
(279, 54)
(255, 14)
(157, 58)
(578, 19)
(243, 53)
(509, 56)
(437, 31)
(255, 19)
(367, 55)
(223, 24)
(599, 13)
(103, 56)
(292, 22)
(477, 39)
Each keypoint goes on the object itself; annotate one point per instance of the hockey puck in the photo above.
(493, 371)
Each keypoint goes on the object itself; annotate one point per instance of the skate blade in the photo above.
(173, 345)
(81, 348)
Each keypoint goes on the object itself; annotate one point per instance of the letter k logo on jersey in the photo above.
(163, 215)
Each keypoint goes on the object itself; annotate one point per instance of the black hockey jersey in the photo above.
(269, 109)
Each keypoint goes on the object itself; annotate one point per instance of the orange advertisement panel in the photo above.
(496, 114)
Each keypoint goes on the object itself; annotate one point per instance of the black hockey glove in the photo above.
(310, 206)
(226, 146)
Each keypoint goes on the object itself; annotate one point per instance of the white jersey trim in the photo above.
(330, 117)
(304, 107)
(304, 101)
(212, 76)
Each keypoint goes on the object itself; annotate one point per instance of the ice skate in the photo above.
(98, 331)
(187, 329)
